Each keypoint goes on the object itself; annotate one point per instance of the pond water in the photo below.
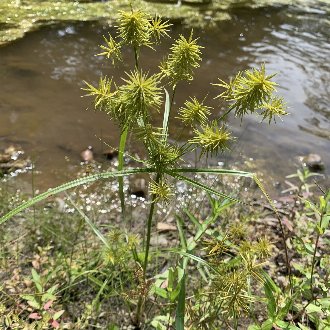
(42, 109)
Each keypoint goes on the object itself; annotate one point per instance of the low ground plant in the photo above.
(218, 275)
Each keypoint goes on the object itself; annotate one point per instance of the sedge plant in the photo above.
(133, 104)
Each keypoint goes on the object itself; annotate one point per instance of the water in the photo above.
(42, 109)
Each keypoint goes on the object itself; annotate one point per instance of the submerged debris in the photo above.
(87, 155)
(314, 162)
(11, 161)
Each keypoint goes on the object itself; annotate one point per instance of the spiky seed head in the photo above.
(133, 240)
(246, 247)
(194, 112)
(139, 94)
(185, 56)
(252, 266)
(162, 191)
(134, 28)
(232, 292)
(247, 91)
(118, 251)
(212, 139)
(263, 248)
(159, 28)
(111, 50)
(149, 134)
(272, 108)
(163, 155)
(237, 231)
(104, 97)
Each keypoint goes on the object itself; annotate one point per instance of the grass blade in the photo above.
(166, 115)
(213, 171)
(89, 222)
(122, 145)
(183, 240)
(195, 258)
(69, 185)
(193, 219)
(180, 308)
(202, 186)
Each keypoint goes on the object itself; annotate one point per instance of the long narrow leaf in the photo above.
(89, 222)
(70, 185)
(195, 258)
(180, 308)
(193, 219)
(183, 240)
(166, 115)
(122, 146)
(206, 224)
(212, 171)
(202, 186)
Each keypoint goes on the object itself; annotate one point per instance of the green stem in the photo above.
(151, 213)
(136, 57)
(122, 144)
(172, 98)
(314, 257)
(33, 195)
(224, 115)
(283, 235)
(146, 256)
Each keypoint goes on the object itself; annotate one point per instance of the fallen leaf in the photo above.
(48, 305)
(35, 316)
(163, 226)
(55, 324)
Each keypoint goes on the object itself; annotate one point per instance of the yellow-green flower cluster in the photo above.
(253, 90)
(185, 56)
(162, 191)
(212, 138)
(194, 112)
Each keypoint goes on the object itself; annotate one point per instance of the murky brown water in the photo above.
(42, 110)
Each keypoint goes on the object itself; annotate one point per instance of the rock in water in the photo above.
(314, 162)
(87, 155)
(10, 161)
(138, 185)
